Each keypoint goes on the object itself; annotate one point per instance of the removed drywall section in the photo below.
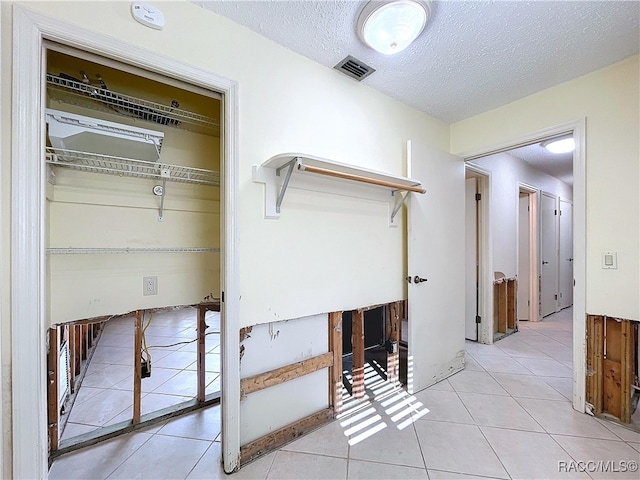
(274, 345)
(612, 367)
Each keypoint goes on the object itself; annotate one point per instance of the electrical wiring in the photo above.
(145, 349)
(186, 342)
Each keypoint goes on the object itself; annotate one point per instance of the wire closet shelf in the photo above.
(129, 167)
(85, 95)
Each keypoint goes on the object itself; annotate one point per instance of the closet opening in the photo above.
(133, 249)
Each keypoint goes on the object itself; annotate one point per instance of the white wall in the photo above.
(274, 345)
(507, 173)
(296, 105)
(324, 254)
(609, 100)
(86, 210)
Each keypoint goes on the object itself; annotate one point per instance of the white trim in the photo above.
(29, 428)
(28, 348)
(579, 266)
(578, 127)
(3, 248)
(534, 246)
(485, 308)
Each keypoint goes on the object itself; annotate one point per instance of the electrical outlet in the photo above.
(150, 285)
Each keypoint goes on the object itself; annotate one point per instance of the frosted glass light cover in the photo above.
(390, 27)
(564, 145)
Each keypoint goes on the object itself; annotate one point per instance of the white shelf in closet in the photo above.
(101, 99)
(127, 250)
(129, 167)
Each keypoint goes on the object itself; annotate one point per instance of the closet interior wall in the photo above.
(109, 232)
(95, 211)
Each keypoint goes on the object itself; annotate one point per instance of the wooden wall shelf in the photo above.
(276, 173)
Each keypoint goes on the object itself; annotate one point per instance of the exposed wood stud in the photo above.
(137, 366)
(627, 369)
(595, 347)
(73, 353)
(284, 374)
(53, 407)
(502, 310)
(335, 371)
(512, 310)
(78, 348)
(612, 367)
(83, 342)
(284, 435)
(357, 345)
(599, 358)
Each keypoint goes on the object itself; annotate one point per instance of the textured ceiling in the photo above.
(538, 157)
(473, 55)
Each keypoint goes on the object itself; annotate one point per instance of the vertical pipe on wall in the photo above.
(137, 365)
(393, 336)
(200, 329)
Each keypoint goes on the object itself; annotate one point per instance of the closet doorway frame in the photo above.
(28, 229)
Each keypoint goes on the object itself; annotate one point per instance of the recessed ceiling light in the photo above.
(390, 26)
(560, 145)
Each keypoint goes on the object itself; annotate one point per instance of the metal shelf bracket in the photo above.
(293, 164)
(323, 175)
(400, 200)
(166, 173)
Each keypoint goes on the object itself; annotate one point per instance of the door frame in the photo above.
(578, 128)
(485, 254)
(534, 249)
(556, 245)
(570, 202)
(28, 273)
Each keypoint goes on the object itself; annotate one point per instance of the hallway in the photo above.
(507, 415)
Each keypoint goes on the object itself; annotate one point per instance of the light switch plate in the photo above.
(610, 260)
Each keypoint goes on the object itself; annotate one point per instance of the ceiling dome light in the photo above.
(390, 26)
(560, 145)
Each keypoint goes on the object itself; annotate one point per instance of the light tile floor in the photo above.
(507, 415)
(106, 394)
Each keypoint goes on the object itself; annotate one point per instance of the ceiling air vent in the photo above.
(354, 68)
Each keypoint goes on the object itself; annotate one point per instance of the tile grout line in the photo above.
(128, 457)
(199, 459)
(424, 461)
(504, 467)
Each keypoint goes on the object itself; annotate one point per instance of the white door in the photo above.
(549, 254)
(566, 254)
(435, 252)
(471, 256)
(524, 256)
